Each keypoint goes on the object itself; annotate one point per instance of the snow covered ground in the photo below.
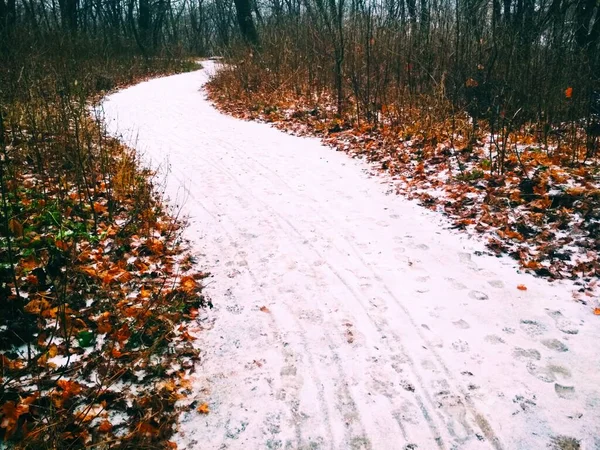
(346, 317)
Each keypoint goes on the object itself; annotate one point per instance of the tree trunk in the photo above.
(144, 20)
(68, 14)
(244, 16)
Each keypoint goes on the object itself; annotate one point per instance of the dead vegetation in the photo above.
(97, 288)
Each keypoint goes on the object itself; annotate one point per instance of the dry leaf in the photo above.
(569, 92)
(188, 284)
(203, 408)
(15, 227)
(522, 287)
(36, 306)
(105, 426)
(99, 208)
(265, 309)
(597, 311)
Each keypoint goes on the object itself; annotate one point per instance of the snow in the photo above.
(346, 317)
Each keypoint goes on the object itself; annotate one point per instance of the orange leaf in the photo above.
(105, 426)
(29, 263)
(522, 287)
(264, 309)
(188, 284)
(88, 270)
(10, 416)
(147, 430)
(69, 388)
(155, 246)
(99, 208)
(62, 245)
(52, 351)
(597, 311)
(533, 265)
(10, 364)
(203, 408)
(36, 306)
(569, 92)
(15, 227)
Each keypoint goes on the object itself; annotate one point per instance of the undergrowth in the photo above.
(97, 286)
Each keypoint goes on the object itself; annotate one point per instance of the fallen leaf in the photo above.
(522, 287)
(52, 350)
(569, 92)
(265, 309)
(105, 426)
(36, 306)
(203, 408)
(188, 284)
(99, 208)
(597, 311)
(15, 227)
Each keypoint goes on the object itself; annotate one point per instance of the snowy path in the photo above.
(347, 318)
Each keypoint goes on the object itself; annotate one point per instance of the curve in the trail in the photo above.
(346, 317)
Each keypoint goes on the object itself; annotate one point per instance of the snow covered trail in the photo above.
(346, 317)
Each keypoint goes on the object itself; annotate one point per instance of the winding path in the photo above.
(347, 317)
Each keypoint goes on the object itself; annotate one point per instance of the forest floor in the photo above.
(348, 317)
(98, 289)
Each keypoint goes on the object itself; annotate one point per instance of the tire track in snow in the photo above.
(335, 357)
(478, 418)
(376, 313)
(427, 412)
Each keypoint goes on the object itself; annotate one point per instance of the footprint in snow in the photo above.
(562, 323)
(478, 295)
(533, 327)
(461, 324)
(566, 392)
(555, 344)
(522, 354)
(460, 346)
(498, 284)
(456, 284)
(493, 339)
(548, 374)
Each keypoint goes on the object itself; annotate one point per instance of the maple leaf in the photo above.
(203, 408)
(597, 311)
(522, 287)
